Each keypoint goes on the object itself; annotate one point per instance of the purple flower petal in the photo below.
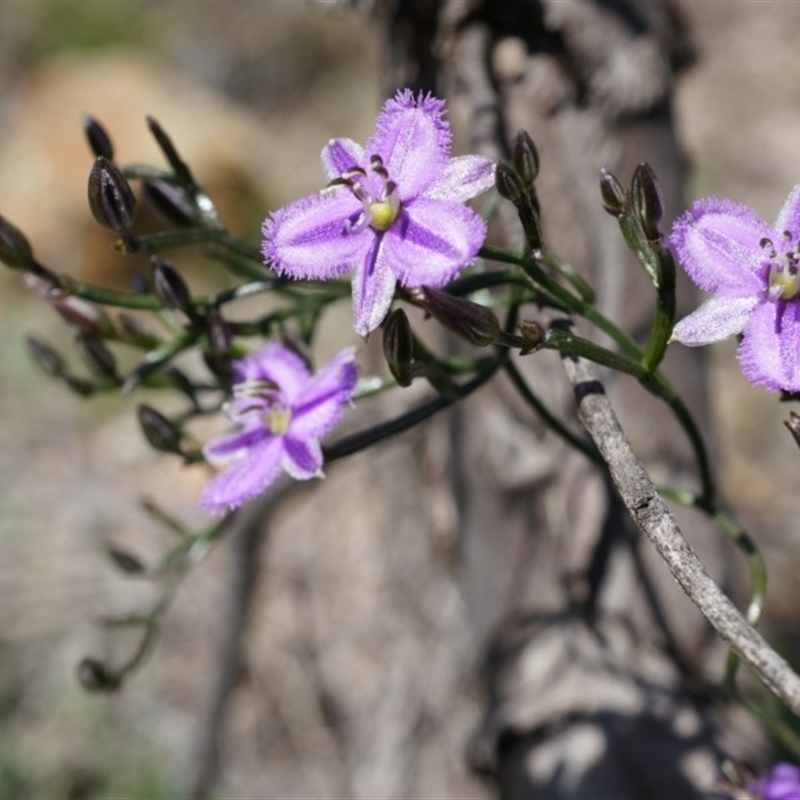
(277, 364)
(245, 479)
(782, 783)
(312, 238)
(373, 289)
(769, 354)
(789, 217)
(229, 447)
(319, 406)
(339, 155)
(433, 241)
(717, 242)
(464, 177)
(413, 140)
(715, 320)
(302, 459)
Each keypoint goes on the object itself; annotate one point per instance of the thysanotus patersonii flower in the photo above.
(281, 410)
(752, 269)
(392, 211)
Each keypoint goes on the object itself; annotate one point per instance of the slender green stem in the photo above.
(486, 280)
(170, 240)
(658, 385)
(567, 342)
(664, 315)
(156, 359)
(549, 418)
(363, 439)
(110, 297)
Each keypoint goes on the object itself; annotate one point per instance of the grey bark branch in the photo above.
(655, 519)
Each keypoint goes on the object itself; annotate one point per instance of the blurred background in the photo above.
(249, 92)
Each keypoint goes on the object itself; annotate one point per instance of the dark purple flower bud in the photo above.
(613, 194)
(647, 200)
(95, 676)
(528, 212)
(48, 360)
(111, 198)
(532, 335)
(125, 561)
(82, 315)
(525, 157)
(99, 140)
(97, 356)
(509, 184)
(219, 335)
(179, 167)
(80, 386)
(160, 433)
(169, 286)
(398, 346)
(793, 424)
(15, 249)
(171, 202)
(475, 323)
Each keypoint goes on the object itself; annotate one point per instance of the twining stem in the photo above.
(362, 439)
(652, 380)
(549, 418)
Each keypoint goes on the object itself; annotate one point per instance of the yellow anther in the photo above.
(278, 420)
(383, 214)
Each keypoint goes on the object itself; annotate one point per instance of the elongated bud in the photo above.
(171, 202)
(793, 425)
(47, 359)
(169, 286)
(95, 676)
(219, 335)
(82, 315)
(179, 167)
(525, 157)
(97, 356)
(509, 183)
(15, 249)
(647, 200)
(124, 561)
(528, 212)
(475, 323)
(398, 346)
(613, 194)
(532, 335)
(160, 433)
(111, 198)
(99, 141)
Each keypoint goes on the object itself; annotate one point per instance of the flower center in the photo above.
(783, 279)
(264, 398)
(377, 193)
(277, 420)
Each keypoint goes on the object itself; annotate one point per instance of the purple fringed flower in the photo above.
(782, 782)
(752, 269)
(392, 211)
(281, 410)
